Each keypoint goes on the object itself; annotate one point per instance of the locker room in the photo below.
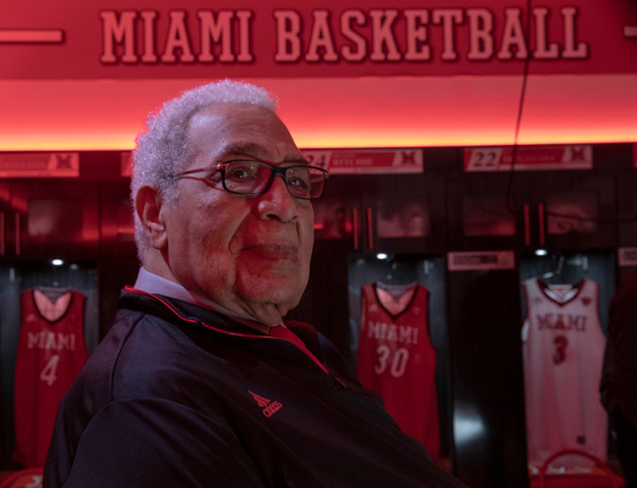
(469, 201)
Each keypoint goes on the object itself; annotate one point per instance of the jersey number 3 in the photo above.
(398, 361)
(49, 373)
(561, 342)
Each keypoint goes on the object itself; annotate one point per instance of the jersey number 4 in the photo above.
(49, 373)
(397, 363)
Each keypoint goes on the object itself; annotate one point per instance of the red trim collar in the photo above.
(234, 334)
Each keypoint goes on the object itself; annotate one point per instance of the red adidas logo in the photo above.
(269, 408)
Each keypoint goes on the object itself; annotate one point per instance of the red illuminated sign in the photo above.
(126, 164)
(627, 256)
(533, 158)
(366, 161)
(480, 260)
(39, 165)
(341, 161)
(327, 39)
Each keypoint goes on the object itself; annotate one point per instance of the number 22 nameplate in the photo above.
(528, 158)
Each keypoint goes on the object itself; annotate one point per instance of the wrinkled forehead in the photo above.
(241, 130)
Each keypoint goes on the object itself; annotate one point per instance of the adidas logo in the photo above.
(269, 407)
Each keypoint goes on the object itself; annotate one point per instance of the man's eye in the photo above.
(299, 182)
(240, 173)
(298, 178)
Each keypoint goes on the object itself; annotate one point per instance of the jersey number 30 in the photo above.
(397, 363)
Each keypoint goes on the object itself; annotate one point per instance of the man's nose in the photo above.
(277, 203)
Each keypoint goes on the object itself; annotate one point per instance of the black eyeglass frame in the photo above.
(274, 171)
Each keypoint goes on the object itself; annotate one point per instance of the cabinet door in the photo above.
(394, 277)
(479, 216)
(574, 211)
(7, 220)
(404, 214)
(337, 214)
(116, 222)
(56, 219)
(337, 233)
(627, 205)
(487, 378)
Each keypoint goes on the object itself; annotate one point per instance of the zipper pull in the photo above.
(336, 378)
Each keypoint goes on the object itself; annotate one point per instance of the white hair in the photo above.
(162, 149)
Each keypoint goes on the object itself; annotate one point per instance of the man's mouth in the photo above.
(275, 251)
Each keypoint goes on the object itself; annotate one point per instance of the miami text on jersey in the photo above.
(393, 332)
(561, 321)
(51, 340)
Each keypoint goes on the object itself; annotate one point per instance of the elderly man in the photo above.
(200, 382)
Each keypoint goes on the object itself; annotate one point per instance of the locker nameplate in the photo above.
(366, 161)
(627, 256)
(478, 260)
(528, 158)
(126, 164)
(40, 165)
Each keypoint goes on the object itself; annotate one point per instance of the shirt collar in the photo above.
(152, 283)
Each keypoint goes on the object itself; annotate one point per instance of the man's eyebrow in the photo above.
(252, 149)
(242, 149)
(295, 159)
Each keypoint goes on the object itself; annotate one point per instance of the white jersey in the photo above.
(563, 347)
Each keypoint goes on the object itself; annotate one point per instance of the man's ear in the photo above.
(148, 205)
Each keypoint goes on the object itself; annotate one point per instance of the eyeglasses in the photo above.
(246, 177)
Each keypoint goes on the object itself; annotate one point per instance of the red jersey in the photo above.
(51, 352)
(396, 359)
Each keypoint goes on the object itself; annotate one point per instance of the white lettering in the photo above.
(541, 50)
(417, 35)
(177, 39)
(321, 38)
(130, 36)
(64, 342)
(382, 35)
(448, 17)
(50, 341)
(513, 36)
(218, 30)
(149, 16)
(377, 330)
(33, 339)
(392, 334)
(244, 16)
(570, 51)
(361, 45)
(405, 334)
(288, 28)
(480, 32)
(122, 31)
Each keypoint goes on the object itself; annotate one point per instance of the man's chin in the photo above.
(283, 292)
